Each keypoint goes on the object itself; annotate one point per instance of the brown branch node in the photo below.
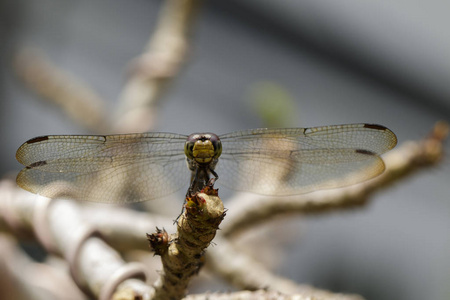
(159, 241)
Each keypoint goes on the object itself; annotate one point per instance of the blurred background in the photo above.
(333, 62)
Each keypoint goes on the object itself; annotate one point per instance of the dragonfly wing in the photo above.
(301, 160)
(114, 169)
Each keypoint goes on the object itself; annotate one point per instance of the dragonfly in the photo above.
(127, 168)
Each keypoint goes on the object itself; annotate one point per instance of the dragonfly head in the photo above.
(203, 147)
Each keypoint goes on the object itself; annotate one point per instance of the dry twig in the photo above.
(76, 99)
(59, 226)
(97, 268)
(266, 295)
(96, 263)
(182, 254)
(23, 278)
(156, 68)
(244, 272)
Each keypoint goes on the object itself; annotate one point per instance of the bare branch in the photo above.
(400, 163)
(244, 272)
(157, 66)
(266, 295)
(77, 100)
(24, 279)
(122, 229)
(182, 257)
(58, 224)
(97, 268)
(124, 232)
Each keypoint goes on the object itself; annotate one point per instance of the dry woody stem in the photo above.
(268, 295)
(76, 99)
(182, 256)
(155, 69)
(95, 267)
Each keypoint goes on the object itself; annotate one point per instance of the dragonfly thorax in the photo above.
(203, 148)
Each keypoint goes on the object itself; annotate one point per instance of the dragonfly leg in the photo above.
(212, 180)
(182, 211)
(190, 192)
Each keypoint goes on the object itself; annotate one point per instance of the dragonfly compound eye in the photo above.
(189, 145)
(217, 144)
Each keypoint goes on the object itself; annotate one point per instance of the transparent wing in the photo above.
(114, 169)
(300, 160)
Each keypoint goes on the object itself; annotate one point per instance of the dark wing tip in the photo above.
(367, 152)
(375, 126)
(389, 132)
(23, 148)
(37, 164)
(37, 139)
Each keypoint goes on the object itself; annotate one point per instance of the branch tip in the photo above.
(205, 205)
